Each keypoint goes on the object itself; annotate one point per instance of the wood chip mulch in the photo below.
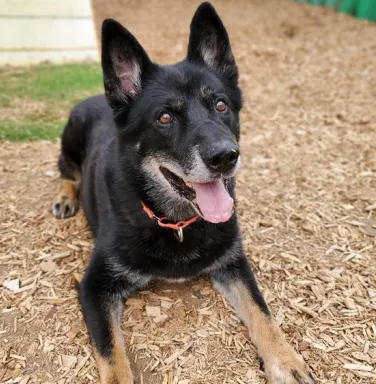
(307, 205)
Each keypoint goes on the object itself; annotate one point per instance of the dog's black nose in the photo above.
(222, 157)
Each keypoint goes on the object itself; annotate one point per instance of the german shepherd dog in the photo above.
(155, 161)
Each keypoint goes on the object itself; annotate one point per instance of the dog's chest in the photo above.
(173, 260)
(156, 252)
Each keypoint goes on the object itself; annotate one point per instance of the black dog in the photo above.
(157, 158)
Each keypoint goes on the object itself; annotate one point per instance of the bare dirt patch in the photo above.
(306, 201)
(19, 108)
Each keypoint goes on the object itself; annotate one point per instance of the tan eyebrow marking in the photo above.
(206, 92)
(177, 104)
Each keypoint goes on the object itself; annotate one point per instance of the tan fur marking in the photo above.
(178, 104)
(206, 93)
(117, 369)
(280, 359)
(68, 189)
(65, 203)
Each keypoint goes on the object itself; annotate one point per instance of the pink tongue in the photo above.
(214, 201)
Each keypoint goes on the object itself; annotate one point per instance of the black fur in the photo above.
(108, 140)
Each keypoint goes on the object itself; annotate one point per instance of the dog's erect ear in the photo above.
(124, 62)
(209, 42)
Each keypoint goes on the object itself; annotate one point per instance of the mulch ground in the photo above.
(307, 202)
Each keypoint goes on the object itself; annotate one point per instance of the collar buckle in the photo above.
(177, 227)
(179, 234)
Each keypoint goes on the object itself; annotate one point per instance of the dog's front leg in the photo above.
(282, 364)
(101, 296)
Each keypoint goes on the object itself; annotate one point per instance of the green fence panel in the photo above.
(363, 9)
(348, 6)
(331, 3)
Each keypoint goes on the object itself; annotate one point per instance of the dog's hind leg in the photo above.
(65, 203)
(101, 293)
(281, 363)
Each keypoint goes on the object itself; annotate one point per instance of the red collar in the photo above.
(178, 227)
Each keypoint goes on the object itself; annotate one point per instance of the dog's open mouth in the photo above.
(178, 184)
(211, 200)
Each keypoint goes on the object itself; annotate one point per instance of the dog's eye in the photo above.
(165, 118)
(221, 106)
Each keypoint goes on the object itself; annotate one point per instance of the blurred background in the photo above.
(306, 192)
(271, 39)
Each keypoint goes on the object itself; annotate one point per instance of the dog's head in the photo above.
(183, 119)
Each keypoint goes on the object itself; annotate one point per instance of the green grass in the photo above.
(35, 101)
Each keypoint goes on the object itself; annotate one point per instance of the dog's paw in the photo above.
(64, 206)
(288, 370)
